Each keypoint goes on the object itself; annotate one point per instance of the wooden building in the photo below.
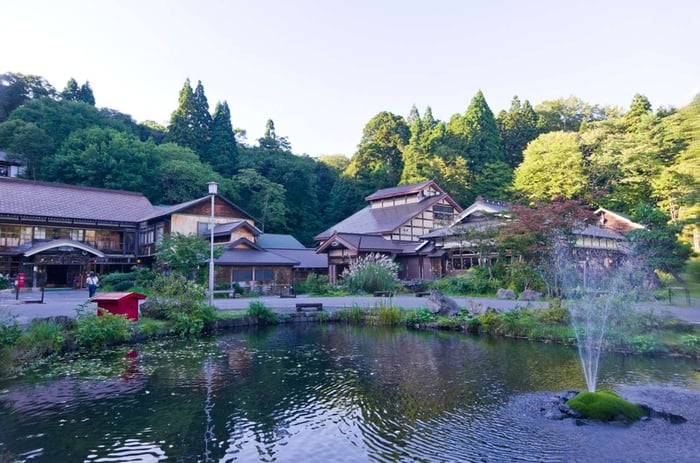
(392, 224)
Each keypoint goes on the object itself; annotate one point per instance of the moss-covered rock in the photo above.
(605, 406)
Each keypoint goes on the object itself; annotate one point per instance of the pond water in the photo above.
(321, 393)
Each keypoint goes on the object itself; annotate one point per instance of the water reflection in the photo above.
(319, 393)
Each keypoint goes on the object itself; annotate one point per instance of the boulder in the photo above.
(476, 308)
(442, 305)
(530, 295)
(503, 293)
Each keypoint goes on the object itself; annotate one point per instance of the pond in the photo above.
(320, 393)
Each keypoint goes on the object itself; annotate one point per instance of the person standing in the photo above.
(92, 282)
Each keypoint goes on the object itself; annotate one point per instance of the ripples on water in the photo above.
(341, 394)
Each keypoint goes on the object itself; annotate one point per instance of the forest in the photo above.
(641, 162)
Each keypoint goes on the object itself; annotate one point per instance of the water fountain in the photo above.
(595, 295)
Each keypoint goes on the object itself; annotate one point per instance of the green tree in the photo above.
(202, 121)
(517, 128)
(85, 94)
(483, 140)
(552, 167)
(271, 142)
(657, 243)
(378, 162)
(184, 255)
(27, 143)
(567, 114)
(180, 175)
(103, 158)
(16, 89)
(639, 108)
(263, 199)
(182, 121)
(222, 153)
(71, 90)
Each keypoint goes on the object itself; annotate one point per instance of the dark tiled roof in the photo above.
(376, 221)
(224, 229)
(254, 257)
(29, 198)
(366, 243)
(307, 258)
(597, 232)
(278, 241)
(401, 190)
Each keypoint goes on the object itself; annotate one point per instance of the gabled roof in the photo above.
(627, 224)
(599, 232)
(41, 199)
(377, 221)
(360, 242)
(481, 205)
(163, 211)
(225, 229)
(403, 190)
(279, 241)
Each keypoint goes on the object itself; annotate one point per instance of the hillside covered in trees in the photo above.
(639, 162)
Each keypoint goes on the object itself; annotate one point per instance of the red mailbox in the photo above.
(120, 303)
(20, 280)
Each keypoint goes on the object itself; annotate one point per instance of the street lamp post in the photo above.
(213, 187)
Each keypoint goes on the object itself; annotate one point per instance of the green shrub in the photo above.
(95, 332)
(491, 322)
(445, 323)
(690, 343)
(554, 315)
(4, 282)
(123, 285)
(419, 317)
(153, 328)
(390, 316)
(645, 343)
(353, 315)
(604, 406)
(263, 313)
(9, 329)
(373, 272)
(315, 284)
(42, 337)
(182, 302)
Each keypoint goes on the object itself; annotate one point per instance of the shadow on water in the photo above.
(336, 393)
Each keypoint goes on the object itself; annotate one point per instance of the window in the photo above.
(243, 275)
(202, 228)
(263, 275)
(443, 212)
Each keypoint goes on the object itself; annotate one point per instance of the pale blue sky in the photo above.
(322, 69)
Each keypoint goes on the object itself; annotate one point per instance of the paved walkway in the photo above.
(64, 302)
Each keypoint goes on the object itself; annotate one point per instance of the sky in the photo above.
(322, 69)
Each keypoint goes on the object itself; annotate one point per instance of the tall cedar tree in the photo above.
(85, 94)
(517, 128)
(483, 140)
(202, 121)
(71, 91)
(222, 153)
(270, 141)
(190, 123)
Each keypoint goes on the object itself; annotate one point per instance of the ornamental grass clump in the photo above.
(370, 273)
